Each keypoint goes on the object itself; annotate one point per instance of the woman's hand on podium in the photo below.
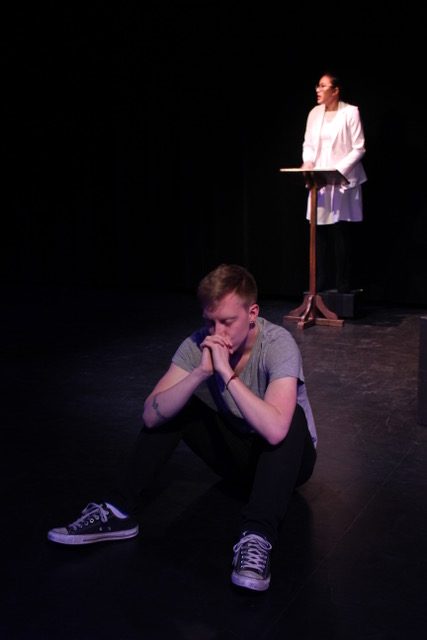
(308, 166)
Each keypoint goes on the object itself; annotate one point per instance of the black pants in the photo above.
(334, 253)
(270, 472)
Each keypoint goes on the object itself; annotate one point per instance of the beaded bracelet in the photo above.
(230, 379)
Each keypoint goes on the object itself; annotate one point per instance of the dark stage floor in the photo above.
(351, 563)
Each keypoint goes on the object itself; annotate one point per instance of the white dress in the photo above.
(334, 203)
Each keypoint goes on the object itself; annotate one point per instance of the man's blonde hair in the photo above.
(225, 279)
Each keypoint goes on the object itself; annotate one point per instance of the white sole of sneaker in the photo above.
(255, 584)
(61, 538)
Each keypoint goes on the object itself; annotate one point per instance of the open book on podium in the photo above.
(313, 309)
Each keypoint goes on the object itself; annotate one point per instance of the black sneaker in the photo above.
(251, 562)
(98, 522)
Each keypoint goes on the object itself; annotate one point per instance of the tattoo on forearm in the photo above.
(157, 410)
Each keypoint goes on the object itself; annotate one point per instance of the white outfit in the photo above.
(335, 140)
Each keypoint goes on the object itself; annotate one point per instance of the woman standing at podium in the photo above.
(334, 139)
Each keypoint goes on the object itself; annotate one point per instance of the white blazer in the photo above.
(348, 144)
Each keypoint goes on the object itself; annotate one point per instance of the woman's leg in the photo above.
(343, 255)
(323, 257)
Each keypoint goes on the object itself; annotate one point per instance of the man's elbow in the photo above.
(148, 420)
(275, 438)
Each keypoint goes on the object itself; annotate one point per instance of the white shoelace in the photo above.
(253, 552)
(92, 512)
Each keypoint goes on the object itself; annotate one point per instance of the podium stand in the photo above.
(313, 310)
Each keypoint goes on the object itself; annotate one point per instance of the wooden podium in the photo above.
(313, 310)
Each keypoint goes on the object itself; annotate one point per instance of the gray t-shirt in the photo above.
(275, 354)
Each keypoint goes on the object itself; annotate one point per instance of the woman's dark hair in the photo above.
(334, 78)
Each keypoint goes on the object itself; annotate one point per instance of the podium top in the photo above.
(319, 177)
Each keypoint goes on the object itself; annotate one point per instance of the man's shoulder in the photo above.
(196, 337)
(273, 331)
(192, 341)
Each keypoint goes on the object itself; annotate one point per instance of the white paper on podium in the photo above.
(319, 176)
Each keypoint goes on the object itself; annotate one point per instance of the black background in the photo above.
(142, 143)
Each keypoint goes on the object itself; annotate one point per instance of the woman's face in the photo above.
(326, 93)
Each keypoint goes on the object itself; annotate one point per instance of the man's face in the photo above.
(231, 318)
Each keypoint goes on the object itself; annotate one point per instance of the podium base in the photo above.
(313, 311)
